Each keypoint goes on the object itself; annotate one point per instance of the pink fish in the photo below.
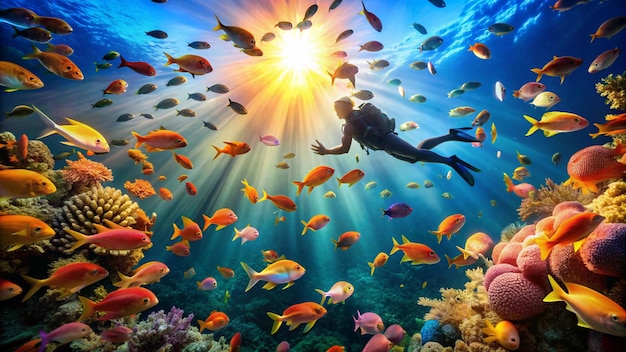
(522, 190)
(369, 323)
(191, 230)
(378, 343)
(208, 284)
(117, 334)
(248, 233)
(529, 90)
(604, 60)
(115, 237)
(269, 140)
(64, 334)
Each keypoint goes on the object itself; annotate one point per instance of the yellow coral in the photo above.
(613, 88)
(612, 203)
(137, 155)
(547, 197)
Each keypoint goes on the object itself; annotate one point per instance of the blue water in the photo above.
(299, 119)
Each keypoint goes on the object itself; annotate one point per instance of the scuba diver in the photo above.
(375, 131)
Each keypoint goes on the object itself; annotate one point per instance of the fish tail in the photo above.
(323, 296)
(516, 94)
(123, 62)
(449, 260)
(395, 246)
(16, 32)
(332, 78)
(79, 237)
(45, 338)
(372, 268)
(139, 139)
(438, 234)
(265, 198)
(170, 60)
(305, 227)
(219, 24)
(534, 124)
(253, 275)
(539, 73)
(557, 294)
(339, 180)
(88, 308)
(51, 128)
(176, 232)
(219, 151)
(467, 254)
(336, 243)
(202, 324)
(545, 246)
(207, 222)
(600, 131)
(489, 330)
(35, 285)
(125, 281)
(237, 235)
(300, 186)
(508, 183)
(277, 321)
(97, 69)
(593, 36)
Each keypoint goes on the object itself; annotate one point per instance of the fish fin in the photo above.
(277, 321)
(207, 222)
(577, 244)
(549, 133)
(269, 286)
(508, 183)
(557, 294)
(289, 284)
(372, 268)
(252, 275)
(52, 127)
(583, 323)
(9, 90)
(101, 228)
(35, 285)
(405, 240)
(79, 237)
(111, 225)
(449, 260)
(176, 232)
(533, 122)
(219, 227)
(308, 326)
(305, 227)
(265, 198)
(467, 254)
(539, 73)
(17, 246)
(300, 186)
(405, 258)
(124, 281)
(219, 151)
(545, 246)
(170, 59)
(323, 296)
(88, 308)
(395, 246)
(336, 243)
(219, 24)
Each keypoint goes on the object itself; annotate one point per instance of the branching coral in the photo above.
(163, 332)
(612, 203)
(547, 197)
(613, 88)
(85, 174)
(140, 188)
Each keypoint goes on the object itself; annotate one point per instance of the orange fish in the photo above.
(573, 230)
(22, 147)
(112, 237)
(278, 219)
(222, 218)
(191, 188)
(227, 273)
(336, 348)
(593, 309)
(58, 64)
(19, 230)
(250, 192)
(480, 50)
(235, 342)
(475, 245)
(15, 77)
(351, 177)
(592, 165)
(119, 303)
(315, 223)
(22, 183)
(116, 87)
(449, 226)
(271, 256)
(380, 260)
(416, 253)
(306, 312)
(215, 321)
(194, 64)
(30, 346)
(609, 28)
(159, 140)
(346, 240)
(183, 161)
(558, 67)
(181, 249)
(8, 290)
(165, 194)
(182, 178)
(233, 149)
(280, 272)
(505, 333)
(146, 274)
(522, 190)
(459, 261)
(69, 278)
(315, 177)
(616, 125)
(191, 230)
(280, 201)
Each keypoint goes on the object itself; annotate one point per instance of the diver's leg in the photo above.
(455, 134)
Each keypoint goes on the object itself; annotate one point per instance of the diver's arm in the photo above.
(344, 147)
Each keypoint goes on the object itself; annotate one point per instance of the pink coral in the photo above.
(87, 173)
(498, 270)
(530, 263)
(509, 253)
(569, 266)
(571, 205)
(513, 297)
(604, 250)
(497, 249)
(524, 232)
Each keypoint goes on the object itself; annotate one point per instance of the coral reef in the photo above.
(163, 332)
(612, 203)
(604, 250)
(547, 197)
(514, 297)
(84, 174)
(613, 88)
(140, 188)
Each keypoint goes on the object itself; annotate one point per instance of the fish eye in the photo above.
(597, 217)
(318, 310)
(95, 272)
(11, 289)
(68, 68)
(431, 253)
(32, 79)
(146, 300)
(614, 317)
(98, 141)
(38, 229)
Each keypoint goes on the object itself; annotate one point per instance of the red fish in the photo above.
(191, 230)
(117, 334)
(69, 278)
(159, 140)
(280, 201)
(215, 321)
(119, 303)
(616, 125)
(235, 343)
(183, 161)
(116, 87)
(147, 273)
(346, 240)
(191, 188)
(573, 230)
(113, 237)
(416, 253)
(180, 249)
(140, 67)
(373, 20)
(194, 64)
(306, 312)
(8, 290)
(22, 147)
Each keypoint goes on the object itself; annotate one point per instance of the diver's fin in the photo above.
(458, 135)
(461, 168)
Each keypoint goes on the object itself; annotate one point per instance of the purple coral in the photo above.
(160, 331)
(604, 250)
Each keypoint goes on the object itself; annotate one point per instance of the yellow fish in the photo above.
(22, 183)
(19, 230)
(77, 134)
(283, 271)
(554, 122)
(505, 333)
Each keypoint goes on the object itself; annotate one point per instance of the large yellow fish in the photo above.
(593, 309)
(282, 271)
(22, 183)
(19, 230)
(556, 122)
(77, 134)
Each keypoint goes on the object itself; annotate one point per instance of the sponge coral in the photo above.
(612, 203)
(604, 250)
(514, 297)
(613, 88)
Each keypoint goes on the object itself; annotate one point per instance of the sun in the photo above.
(298, 54)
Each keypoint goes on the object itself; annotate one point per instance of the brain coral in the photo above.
(513, 297)
(529, 261)
(568, 266)
(498, 270)
(604, 250)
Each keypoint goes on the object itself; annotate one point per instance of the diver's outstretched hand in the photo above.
(319, 148)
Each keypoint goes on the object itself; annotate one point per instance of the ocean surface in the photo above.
(288, 94)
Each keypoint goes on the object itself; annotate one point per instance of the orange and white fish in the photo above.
(306, 312)
(232, 148)
(58, 64)
(241, 38)
(573, 230)
(315, 223)
(505, 333)
(315, 177)
(19, 230)
(22, 183)
(69, 278)
(221, 217)
(112, 237)
(145, 274)
(280, 201)
(191, 230)
(338, 293)
(346, 240)
(351, 177)
(159, 140)
(194, 64)
(77, 134)
(449, 226)
(558, 67)
(279, 272)
(250, 192)
(215, 321)
(593, 309)
(9, 290)
(116, 87)
(416, 253)
(15, 77)
(119, 303)
(554, 122)
(380, 260)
